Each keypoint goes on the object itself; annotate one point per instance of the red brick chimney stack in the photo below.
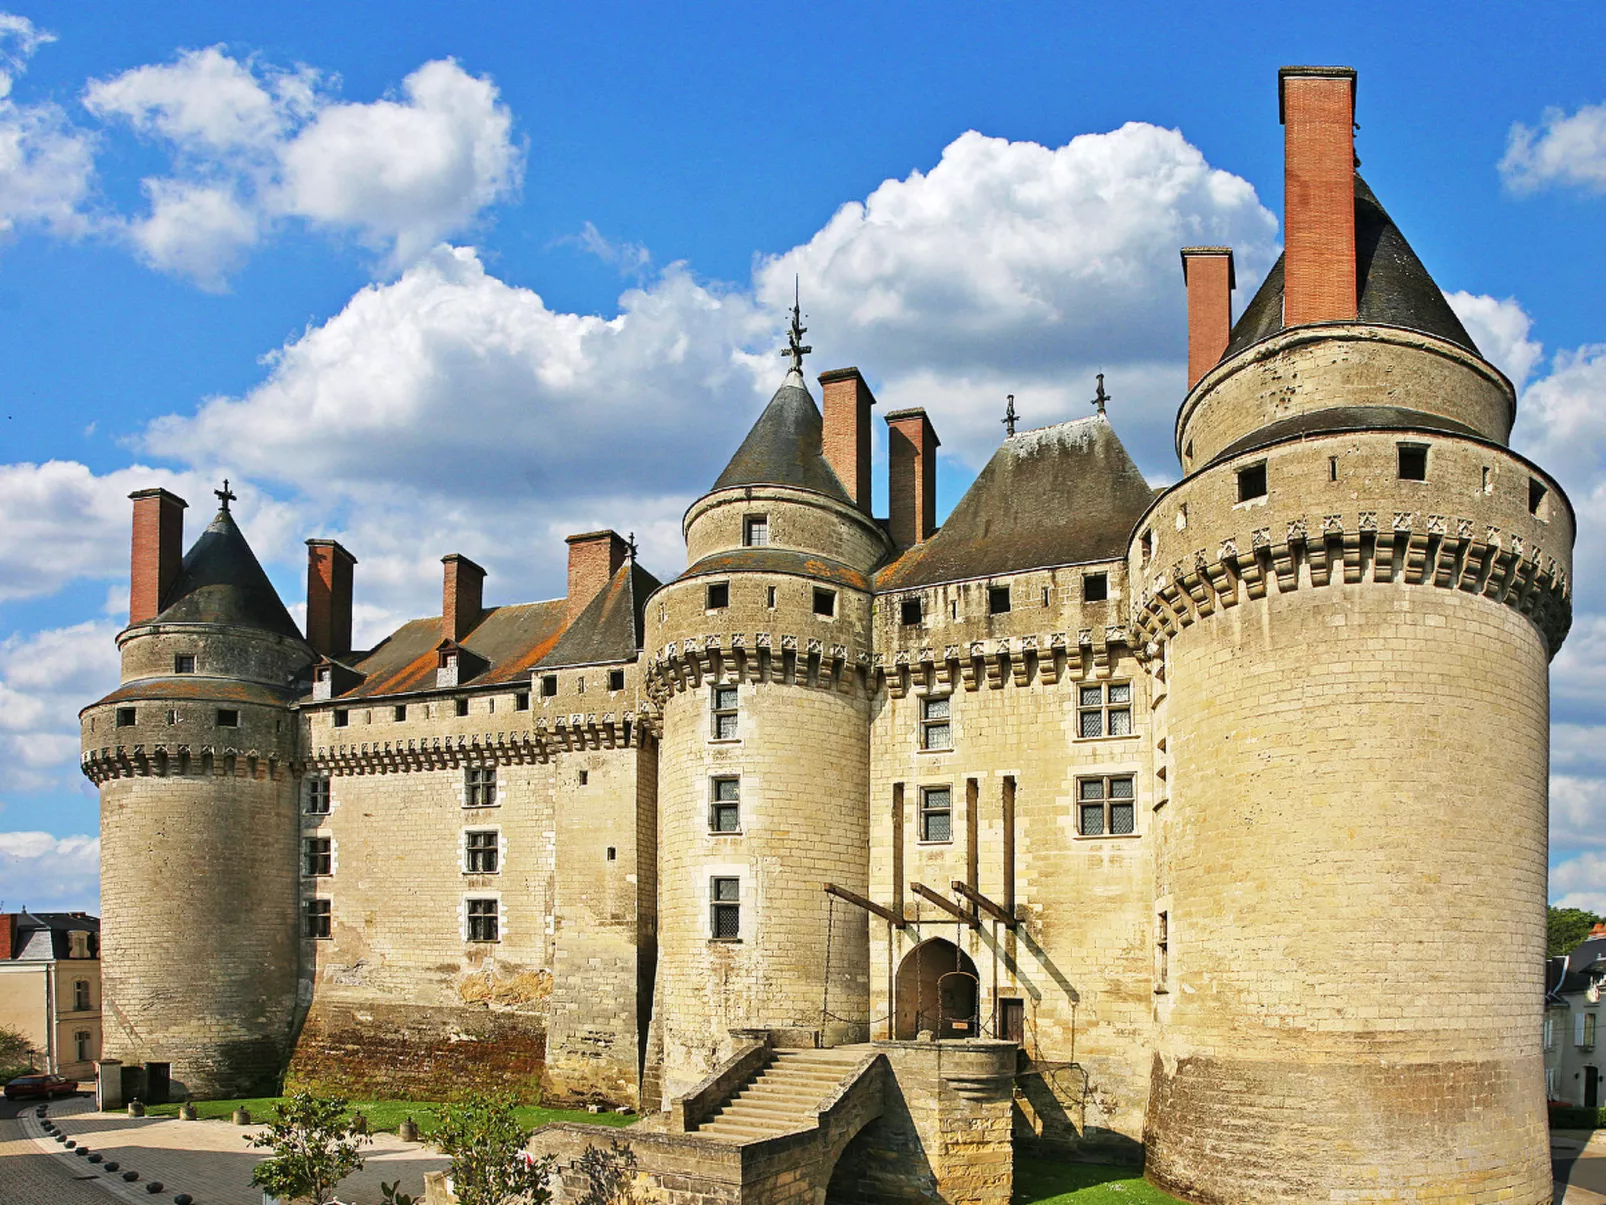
(846, 402)
(912, 476)
(157, 553)
(1209, 276)
(462, 599)
(594, 557)
(329, 597)
(1317, 107)
(8, 934)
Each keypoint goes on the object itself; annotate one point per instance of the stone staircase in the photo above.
(783, 1095)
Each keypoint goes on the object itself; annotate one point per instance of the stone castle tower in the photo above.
(1225, 803)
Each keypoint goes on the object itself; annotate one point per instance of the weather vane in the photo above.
(1102, 397)
(794, 337)
(226, 495)
(1010, 416)
(631, 545)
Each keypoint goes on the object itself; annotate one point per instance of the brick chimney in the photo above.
(1317, 108)
(1210, 280)
(594, 557)
(329, 597)
(911, 476)
(463, 596)
(158, 551)
(846, 402)
(8, 935)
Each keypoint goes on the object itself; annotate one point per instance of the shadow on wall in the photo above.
(885, 1162)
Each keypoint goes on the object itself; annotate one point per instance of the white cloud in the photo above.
(45, 678)
(19, 38)
(194, 230)
(45, 164)
(1561, 422)
(1580, 878)
(1566, 150)
(50, 874)
(1500, 329)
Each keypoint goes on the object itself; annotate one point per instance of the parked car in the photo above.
(46, 1086)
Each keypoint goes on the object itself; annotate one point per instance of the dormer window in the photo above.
(756, 531)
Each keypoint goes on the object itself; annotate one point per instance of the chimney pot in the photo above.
(845, 403)
(463, 596)
(1210, 279)
(158, 551)
(329, 581)
(1317, 108)
(912, 445)
(594, 557)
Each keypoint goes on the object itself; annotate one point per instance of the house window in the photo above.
(770, 597)
(462, 706)
(936, 814)
(125, 717)
(317, 796)
(1146, 545)
(585, 777)
(1584, 1031)
(480, 846)
(1106, 806)
(549, 686)
(317, 919)
(521, 701)
(172, 715)
(756, 531)
(613, 853)
(1413, 462)
(616, 679)
(83, 1040)
(1332, 468)
(1104, 709)
(342, 717)
(1095, 587)
(997, 600)
(1162, 947)
(1538, 499)
(484, 923)
(579, 684)
(824, 602)
(1550, 1032)
(1252, 482)
(723, 699)
(183, 663)
(726, 904)
(725, 810)
(80, 995)
(480, 784)
(317, 856)
(227, 717)
(719, 596)
(400, 712)
(936, 732)
(912, 611)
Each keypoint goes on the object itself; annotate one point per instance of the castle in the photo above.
(1226, 801)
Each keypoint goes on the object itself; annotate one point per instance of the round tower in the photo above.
(198, 828)
(1349, 605)
(756, 657)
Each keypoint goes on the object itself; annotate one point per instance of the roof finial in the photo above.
(1102, 397)
(631, 545)
(226, 495)
(794, 337)
(1010, 416)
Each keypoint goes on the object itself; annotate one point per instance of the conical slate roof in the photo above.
(1060, 495)
(785, 446)
(220, 581)
(1392, 286)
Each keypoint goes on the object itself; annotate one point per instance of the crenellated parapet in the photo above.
(111, 762)
(1047, 658)
(547, 739)
(807, 661)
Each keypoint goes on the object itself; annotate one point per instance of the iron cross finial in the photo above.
(1102, 397)
(631, 545)
(1010, 417)
(226, 495)
(794, 337)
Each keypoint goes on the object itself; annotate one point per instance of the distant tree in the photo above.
(490, 1166)
(16, 1052)
(609, 1174)
(314, 1149)
(1566, 927)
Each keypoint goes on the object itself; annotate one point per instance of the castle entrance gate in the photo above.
(937, 989)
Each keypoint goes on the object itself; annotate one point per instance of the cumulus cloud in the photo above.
(45, 678)
(50, 874)
(1500, 329)
(253, 145)
(1580, 882)
(46, 165)
(1566, 150)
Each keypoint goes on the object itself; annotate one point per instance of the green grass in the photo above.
(1043, 1182)
(388, 1114)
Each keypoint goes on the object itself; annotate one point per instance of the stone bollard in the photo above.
(136, 1108)
(408, 1130)
(242, 1116)
(186, 1112)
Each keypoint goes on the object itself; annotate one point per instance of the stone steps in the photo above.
(782, 1097)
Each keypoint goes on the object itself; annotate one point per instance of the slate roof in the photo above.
(610, 628)
(200, 689)
(41, 936)
(1344, 418)
(785, 446)
(1392, 286)
(220, 581)
(1584, 963)
(1059, 495)
(777, 560)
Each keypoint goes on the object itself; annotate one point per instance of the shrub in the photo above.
(313, 1147)
(485, 1142)
(16, 1054)
(1572, 1117)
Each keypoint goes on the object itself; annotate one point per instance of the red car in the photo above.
(40, 1085)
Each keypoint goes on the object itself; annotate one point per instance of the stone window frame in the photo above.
(1585, 1028)
(1162, 947)
(317, 795)
(717, 596)
(488, 929)
(1253, 483)
(342, 718)
(718, 715)
(83, 1040)
(1406, 454)
(1096, 586)
(1550, 1030)
(930, 724)
(462, 705)
(479, 786)
(824, 602)
(317, 918)
(80, 996)
(999, 599)
(719, 804)
(317, 856)
(755, 531)
(1107, 802)
(724, 907)
(912, 610)
(521, 700)
(1538, 499)
(183, 663)
(127, 717)
(228, 717)
(398, 713)
(616, 680)
(1104, 709)
(493, 848)
(925, 813)
(549, 686)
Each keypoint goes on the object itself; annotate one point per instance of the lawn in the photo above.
(388, 1114)
(1042, 1182)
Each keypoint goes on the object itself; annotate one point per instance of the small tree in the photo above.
(485, 1142)
(1566, 928)
(314, 1149)
(16, 1052)
(610, 1174)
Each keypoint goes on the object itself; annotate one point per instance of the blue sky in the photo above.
(438, 278)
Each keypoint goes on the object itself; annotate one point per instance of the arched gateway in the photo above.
(937, 990)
